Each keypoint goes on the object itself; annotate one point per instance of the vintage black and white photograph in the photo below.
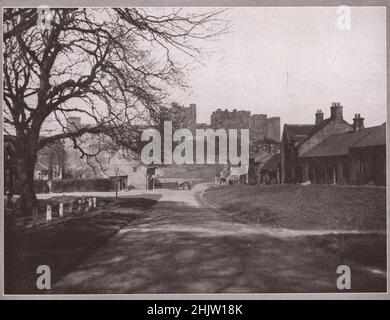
(194, 150)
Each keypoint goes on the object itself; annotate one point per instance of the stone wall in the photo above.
(230, 119)
(260, 127)
(189, 116)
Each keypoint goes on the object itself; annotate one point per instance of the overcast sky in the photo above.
(324, 64)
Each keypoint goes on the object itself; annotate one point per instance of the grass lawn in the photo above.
(63, 246)
(303, 207)
(318, 207)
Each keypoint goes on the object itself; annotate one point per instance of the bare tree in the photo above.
(112, 67)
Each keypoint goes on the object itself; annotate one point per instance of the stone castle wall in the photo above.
(260, 127)
(189, 114)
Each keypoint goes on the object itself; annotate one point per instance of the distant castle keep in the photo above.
(260, 127)
(190, 117)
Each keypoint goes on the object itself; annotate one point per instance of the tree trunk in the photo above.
(26, 180)
(26, 155)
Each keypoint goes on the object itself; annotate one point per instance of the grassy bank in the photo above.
(303, 207)
(63, 246)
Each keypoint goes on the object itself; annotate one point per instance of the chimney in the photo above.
(358, 123)
(319, 116)
(336, 111)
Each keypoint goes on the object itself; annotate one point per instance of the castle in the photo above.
(260, 127)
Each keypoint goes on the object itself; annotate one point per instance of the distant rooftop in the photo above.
(339, 144)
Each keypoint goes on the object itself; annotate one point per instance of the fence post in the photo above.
(61, 210)
(94, 202)
(70, 207)
(48, 213)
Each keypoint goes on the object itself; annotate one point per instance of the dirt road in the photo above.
(181, 245)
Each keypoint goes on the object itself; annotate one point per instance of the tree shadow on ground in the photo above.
(63, 246)
(177, 248)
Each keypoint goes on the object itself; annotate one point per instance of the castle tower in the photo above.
(258, 127)
(192, 118)
(273, 128)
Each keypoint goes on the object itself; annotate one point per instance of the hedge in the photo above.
(72, 185)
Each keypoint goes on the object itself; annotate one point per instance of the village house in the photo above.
(270, 172)
(129, 174)
(262, 156)
(50, 164)
(292, 134)
(332, 151)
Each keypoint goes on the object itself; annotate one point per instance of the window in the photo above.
(134, 169)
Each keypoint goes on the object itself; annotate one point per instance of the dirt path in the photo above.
(183, 246)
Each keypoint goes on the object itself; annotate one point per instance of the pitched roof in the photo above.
(317, 127)
(272, 163)
(261, 156)
(40, 166)
(297, 132)
(339, 144)
(374, 137)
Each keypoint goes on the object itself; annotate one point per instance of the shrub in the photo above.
(72, 185)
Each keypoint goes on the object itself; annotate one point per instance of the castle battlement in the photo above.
(260, 127)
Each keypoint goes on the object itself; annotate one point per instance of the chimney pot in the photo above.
(358, 123)
(319, 116)
(336, 111)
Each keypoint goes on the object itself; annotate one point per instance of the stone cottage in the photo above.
(334, 151)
